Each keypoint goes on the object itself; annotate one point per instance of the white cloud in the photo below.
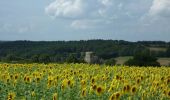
(82, 12)
(160, 8)
(65, 8)
(78, 8)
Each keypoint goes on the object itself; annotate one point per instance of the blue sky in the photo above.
(131, 20)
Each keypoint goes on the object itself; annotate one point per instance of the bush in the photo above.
(110, 62)
(143, 59)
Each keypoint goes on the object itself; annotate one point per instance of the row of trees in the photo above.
(73, 51)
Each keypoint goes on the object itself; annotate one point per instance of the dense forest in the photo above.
(62, 51)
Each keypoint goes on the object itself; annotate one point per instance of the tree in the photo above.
(72, 59)
(35, 58)
(44, 58)
(11, 57)
(110, 62)
(168, 52)
(143, 59)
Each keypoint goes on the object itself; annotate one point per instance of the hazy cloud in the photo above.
(79, 8)
(11, 28)
(160, 8)
(81, 11)
(121, 19)
(107, 11)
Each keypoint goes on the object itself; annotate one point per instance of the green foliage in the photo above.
(110, 62)
(35, 58)
(44, 58)
(11, 58)
(143, 58)
(72, 59)
(168, 52)
(58, 51)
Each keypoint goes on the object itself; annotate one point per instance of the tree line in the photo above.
(74, 51)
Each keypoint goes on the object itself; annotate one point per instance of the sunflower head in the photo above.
(117, 95)
(94, 87)
(112, 97)
(11, 96)
(133, 89)
(93, 80)
(99, 90)
(138, 81)
(55, 96)
(83, 83)
(168, 93)
(84, 92)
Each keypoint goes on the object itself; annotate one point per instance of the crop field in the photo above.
(83, 82)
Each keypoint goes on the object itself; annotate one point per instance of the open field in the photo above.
(122, 60)
(164, 61)
(157, 49)
(83, 81)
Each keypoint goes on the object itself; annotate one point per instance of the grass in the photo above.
(122, 60)
(164, 61)
(157, 49)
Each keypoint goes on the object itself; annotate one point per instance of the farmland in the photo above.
(83, 81)
(121, 60)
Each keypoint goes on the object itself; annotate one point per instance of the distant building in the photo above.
(88, 57)
(91, 58)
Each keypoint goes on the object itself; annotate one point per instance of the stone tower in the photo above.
(89, 57)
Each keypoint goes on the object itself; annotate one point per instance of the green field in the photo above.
(83, 82)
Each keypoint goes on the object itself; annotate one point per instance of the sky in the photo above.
(52, 20)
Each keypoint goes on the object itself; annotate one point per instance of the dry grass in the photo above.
(122, 60)
(157, 49)
(164, 61)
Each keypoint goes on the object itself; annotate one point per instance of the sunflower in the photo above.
(112, 97)
(28, 79)
(117, 77)
(168, 93)
(83, 83)
(64, 84)
(126, 88)
(55, 96)
(93, 80)
(99, 90)
(94, 87)
(38, 79)
(33, 93)
(84, 92)
(71, 83)
(168, 81)
(115, 96)
(16, 76)
(133, 89)
(138, 81)
(11, 96)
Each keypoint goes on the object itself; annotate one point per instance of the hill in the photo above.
(59, 51)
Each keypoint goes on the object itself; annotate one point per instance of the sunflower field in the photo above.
(83, 82)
